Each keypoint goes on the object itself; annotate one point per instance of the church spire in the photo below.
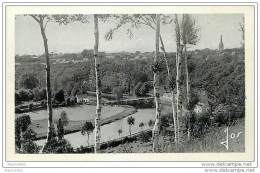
(221, 45)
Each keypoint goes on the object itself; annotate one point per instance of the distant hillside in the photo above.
(222, 75)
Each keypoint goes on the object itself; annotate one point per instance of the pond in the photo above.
(110, 131)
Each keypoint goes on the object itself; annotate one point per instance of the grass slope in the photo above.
(210, 142)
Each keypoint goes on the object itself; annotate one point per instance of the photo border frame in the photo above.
(255, 4)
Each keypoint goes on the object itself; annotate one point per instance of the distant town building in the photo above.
(221, 45)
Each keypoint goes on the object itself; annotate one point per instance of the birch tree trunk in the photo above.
(88, 138)
(50, 133)
(178, 65)
(98, 86)
(187, 77)
(172, 91)
(187, 90)
(130, 130)
(178, 95)
(156, 127)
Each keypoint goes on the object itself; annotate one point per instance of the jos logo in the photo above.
(229, 136)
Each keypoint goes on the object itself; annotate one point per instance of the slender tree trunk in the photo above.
(98, 86)
(130, 130)
(156, 127)
(129, 88)
(50, 133)
(187, 77)
(178, 95)
(187, 90)
(172, 91)
(178, 65)
(88, 138)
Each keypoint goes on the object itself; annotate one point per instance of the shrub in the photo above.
(137, 89)
(43, 103)
(60, 130)
(118, 92)
(64, 118)
(68, 102)
(29, 81)
(226, 114)
(199, 124)
(144, 137)
(87, 128)
(130, 122)
(23, 122)
(17, 98)
(58, 146)
(82, 149)
(63, 146)
(21, 125)
(29, 134)
(30, 106)
(17, 110)
(59, 96)
(222, 118)
(150, 123)
(194, 100)
(165, 121)
(43, 94)
(141, 125)
(119, 131)
(30, 147)
(25, 95)
(37, 94)
(142, 88)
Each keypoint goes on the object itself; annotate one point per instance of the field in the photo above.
(77, 112)
(77, 115)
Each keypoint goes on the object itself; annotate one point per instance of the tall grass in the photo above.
(209, 142)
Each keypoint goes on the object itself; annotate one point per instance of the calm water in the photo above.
(110, 131)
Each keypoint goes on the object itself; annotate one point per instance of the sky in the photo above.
(75, 37)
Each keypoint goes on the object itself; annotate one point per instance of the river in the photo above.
(110, 131)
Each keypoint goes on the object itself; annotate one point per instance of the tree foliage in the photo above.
(59, 96)
(21, 125)
(29, 81)
(130, 122)
(64, 118)
(189, 30)
(87, 128)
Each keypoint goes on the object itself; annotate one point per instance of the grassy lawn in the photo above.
(76, 112)
(78, 118)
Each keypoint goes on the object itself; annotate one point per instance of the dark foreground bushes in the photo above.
(58, 146)
(225, 116)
